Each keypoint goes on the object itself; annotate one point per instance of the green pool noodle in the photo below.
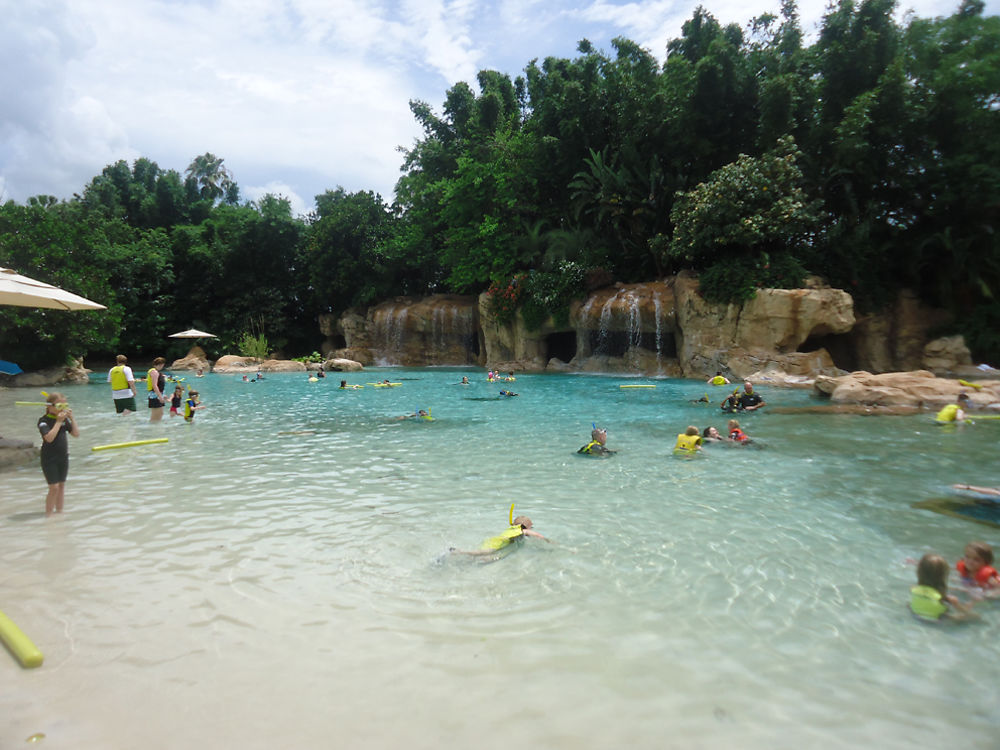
(20, 645)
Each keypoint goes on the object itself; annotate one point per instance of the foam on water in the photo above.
(238, 587)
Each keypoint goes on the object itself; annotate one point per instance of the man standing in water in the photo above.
(122, 386)
(750, 401)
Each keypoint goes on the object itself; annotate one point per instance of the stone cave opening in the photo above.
(840, 347)
(561, 345)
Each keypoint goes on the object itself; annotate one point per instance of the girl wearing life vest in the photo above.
(736, 434)
(976, 567)
(520, 528)
(929, 599)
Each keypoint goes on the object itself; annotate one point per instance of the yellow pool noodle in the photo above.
(128, 445)
(31, 403)
(967, 384)
(19, 644)
(637, 386)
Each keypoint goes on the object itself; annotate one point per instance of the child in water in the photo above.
(53, 425)
(177, 398)
(688, 443)
(736, 434)
(191, 405)
(976, 567)
(929, 599)
(519, 529)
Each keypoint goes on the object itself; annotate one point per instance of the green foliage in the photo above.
(737, 280)
(253, 342)
(313, 358)
(549, 293)
(751, 206)
(505, 297)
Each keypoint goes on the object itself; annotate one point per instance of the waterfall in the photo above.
(439, 341)
(390, 324)
(605, 326)
(658, 308)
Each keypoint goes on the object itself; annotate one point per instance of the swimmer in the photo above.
(711, 435)
(688, 443)
(465, 380)
(177, 399)
(519, 529)
(246, 379)
(953, 412)
(929, 599)
(718, 379)
(702, 400)
(736, 434)
(981, 490)
(509, 394)
(751, 401)
(976, 566)
(732, 402)
(320, 373)
(419, 414)
(598, 444)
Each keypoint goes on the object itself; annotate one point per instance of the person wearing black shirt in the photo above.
(53, 426)
(750, 401)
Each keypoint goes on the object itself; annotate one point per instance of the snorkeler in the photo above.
(597, 445)
(520, 528)
(508, 394)
(732, 403)
(418, 414)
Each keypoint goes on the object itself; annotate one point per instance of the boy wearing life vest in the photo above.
(976, 567)
(192, 404)
(688, 443)
(122, 386)
(520, 528)
(718, 379)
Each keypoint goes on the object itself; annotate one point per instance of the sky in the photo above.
(298, 96)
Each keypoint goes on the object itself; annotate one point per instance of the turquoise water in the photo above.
(237, 587)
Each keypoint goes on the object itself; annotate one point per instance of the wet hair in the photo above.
(732, 423)
(159, 361)
(705, 433)
(691, 430)
(718, 372)
(343, 383)
(981, 551)
(57, 398)
(963, 396)
(193, 393)
(598, 431)
(121, 359)
(521, 521)
(932, 570)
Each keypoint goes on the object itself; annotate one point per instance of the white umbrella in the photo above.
(192, 333)
(21, 291)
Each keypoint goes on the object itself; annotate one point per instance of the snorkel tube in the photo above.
(510, 517)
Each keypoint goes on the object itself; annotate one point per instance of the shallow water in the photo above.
(237, 587)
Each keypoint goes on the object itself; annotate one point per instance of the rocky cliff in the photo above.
(656, 328)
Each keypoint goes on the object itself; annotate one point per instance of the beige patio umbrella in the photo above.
(21, 291)
(192, 333)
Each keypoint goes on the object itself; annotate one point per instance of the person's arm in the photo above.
(529, 532)
(131, 380)
(73, 429)
(960, 611)
(53, 431)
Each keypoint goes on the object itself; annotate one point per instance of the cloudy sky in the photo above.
(298, 96)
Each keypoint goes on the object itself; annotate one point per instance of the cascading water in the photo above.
(658, 312)
(390, 324)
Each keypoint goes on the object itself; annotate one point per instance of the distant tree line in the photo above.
(869, 157)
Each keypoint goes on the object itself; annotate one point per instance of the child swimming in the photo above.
(929, 599)
(688, 443)
(520, 528)
(736, 434)
(976, 567)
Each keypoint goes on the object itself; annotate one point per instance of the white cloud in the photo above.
(281, 190)
(304, 94)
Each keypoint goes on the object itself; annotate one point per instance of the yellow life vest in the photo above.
(118, 380)
(587, 448)
(152, 373)
(925, 602)
(948, 413)
(503, 539)
(687, 443)
(718, 380)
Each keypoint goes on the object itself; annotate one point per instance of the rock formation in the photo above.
(919, 388)
(783, 336)
(195, 359)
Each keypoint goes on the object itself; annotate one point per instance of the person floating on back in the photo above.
(929, 599)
